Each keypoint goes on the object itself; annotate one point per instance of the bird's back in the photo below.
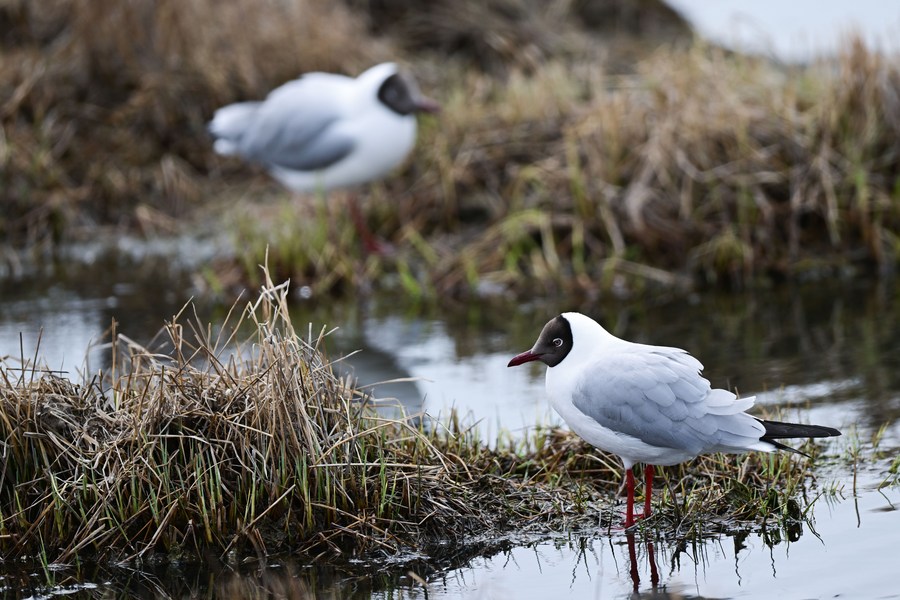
(294, 112)
(650, 404)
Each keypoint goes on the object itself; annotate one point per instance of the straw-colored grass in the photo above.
(702, 165)
(231, 446)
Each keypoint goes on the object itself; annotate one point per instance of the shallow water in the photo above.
(751, 566)
(847, 551)
(821, 353)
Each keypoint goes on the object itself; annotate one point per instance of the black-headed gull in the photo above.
(647, 404)
(325, 131)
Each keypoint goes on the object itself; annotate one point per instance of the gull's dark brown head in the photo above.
(553, 345)
(401, 94)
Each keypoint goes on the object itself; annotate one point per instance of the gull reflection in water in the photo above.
(635, 570)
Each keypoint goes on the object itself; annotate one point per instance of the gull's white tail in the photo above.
(229, 124)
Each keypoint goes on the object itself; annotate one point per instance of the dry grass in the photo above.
(257, 446)
(703, 165)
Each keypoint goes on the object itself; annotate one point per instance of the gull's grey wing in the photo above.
(294, 127)
(657, 395)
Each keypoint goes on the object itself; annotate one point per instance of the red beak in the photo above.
(426, 104)
(520, 359)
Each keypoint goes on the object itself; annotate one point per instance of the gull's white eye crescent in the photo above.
(557, 342)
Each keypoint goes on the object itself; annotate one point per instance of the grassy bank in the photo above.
(237, 438)
(581, 149)
(714, 167)
(701, 168)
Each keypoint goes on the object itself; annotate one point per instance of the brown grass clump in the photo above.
(702, 167)
(235, 446)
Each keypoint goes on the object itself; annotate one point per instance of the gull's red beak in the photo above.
(521, 359)
(426, 104)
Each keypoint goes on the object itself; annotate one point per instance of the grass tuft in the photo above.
(211, 441)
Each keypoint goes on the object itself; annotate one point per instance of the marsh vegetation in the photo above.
(239, 438)
(580, 150)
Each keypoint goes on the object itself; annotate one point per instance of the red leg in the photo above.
(632, 556)
(648, 488)
(629, 510)
(371, 244)
(654, 573)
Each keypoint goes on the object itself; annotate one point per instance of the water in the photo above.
(796, 31)
(827, 565)
(823, 353)
(63, 310)
(851, 554)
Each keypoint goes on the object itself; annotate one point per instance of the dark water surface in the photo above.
(823, 353)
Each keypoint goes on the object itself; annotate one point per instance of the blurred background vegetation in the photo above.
(585, 146)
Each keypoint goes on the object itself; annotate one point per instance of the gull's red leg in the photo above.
(632, 557)
(648, 488)
(371, 244)
(629, 510)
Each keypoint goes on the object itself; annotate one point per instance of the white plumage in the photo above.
(324, 131)
(647, 404)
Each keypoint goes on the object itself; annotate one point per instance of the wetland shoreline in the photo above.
(238, 437)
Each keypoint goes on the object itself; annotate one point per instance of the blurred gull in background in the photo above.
(646, 404)
(325, 131)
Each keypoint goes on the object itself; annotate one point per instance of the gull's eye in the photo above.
(557, 342)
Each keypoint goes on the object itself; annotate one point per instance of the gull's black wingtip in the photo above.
(776, 430)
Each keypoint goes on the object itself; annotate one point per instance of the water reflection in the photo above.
(846, 548)
(635, 570)
(62, 313)
(832, 555)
